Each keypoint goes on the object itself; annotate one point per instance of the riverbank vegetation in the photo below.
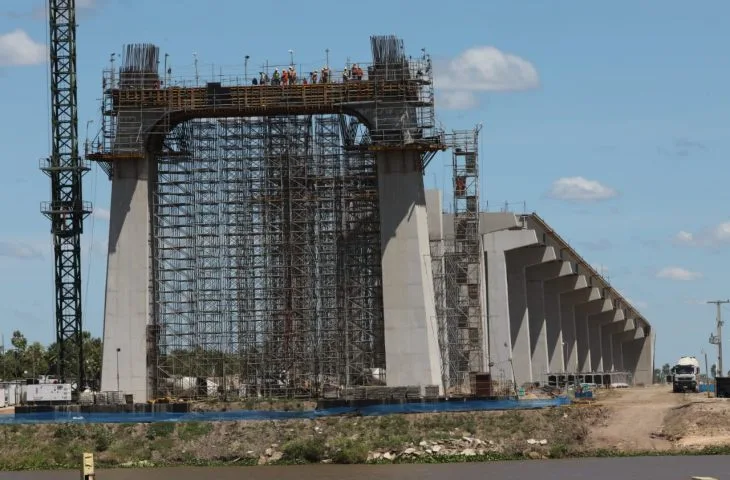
(423, 438)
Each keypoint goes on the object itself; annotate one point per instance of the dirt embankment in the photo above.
(655, 419)
(621, 421)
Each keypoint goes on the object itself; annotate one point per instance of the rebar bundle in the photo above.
(140, 58)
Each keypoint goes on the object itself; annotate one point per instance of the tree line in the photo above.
(31, 360)
(662, 373)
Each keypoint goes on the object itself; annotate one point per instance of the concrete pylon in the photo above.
(412, 355)
(568, 302)
(536, 276)
(498, 317)
(553, 289)
(518, 261)
(582, 335)
(601, 354)
(127, 297)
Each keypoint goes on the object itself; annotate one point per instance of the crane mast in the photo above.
(66, 210)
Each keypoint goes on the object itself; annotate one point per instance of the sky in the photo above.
(608, 119)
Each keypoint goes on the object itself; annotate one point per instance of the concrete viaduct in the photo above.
(547, 310)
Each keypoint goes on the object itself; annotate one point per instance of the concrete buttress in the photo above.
(582, 335)
(536, 276)
(600, 345)
(498, 318)
(553, 289)
(568, 302)
(519, 313)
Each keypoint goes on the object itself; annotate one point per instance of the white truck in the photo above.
(686, 375)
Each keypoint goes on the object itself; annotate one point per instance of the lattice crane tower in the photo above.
(66, 210)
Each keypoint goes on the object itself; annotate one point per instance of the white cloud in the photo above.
(678, 273)
(684, 238)
(457, 100)
(481, 69)
(580, 189)
(717, 236)
(486, 68)
(20, 249)
(17, 48)
(101, 214)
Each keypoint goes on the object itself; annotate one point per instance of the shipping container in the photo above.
(59, 392)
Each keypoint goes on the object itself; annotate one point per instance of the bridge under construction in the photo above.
(275, 239)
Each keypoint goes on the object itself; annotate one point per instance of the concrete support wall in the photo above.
(568, 302)
(553, 289)
(583, 343)
(610, 331)
(536, 277)
(411, 333)
(601, 354)
(638, 357)
(518, 260)
(435, 219)
(127, 302)
(500, 338)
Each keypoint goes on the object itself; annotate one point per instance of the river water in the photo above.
(651, 468)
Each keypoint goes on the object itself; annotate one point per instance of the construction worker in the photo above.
(292, 75)
(345, 74)
(285, 77)
(275, 78)
(262, 80)
(356, 72)
(325, 74)
(313, 76)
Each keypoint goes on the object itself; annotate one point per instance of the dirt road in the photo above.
(636, 418)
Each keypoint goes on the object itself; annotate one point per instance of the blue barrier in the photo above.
(707, 387)
(370, 410)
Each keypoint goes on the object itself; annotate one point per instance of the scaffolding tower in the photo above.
(267, 255)
(457, 270)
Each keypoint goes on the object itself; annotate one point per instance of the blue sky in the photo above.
(608, 119)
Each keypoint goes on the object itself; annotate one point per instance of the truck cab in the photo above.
(685, 375)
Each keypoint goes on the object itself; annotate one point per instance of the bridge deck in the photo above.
(268, 99)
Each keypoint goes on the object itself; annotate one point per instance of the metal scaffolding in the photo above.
(457, 272)
(267, 258)
(265, 216)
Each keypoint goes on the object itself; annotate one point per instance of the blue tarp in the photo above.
(707, 387)
(371, 410)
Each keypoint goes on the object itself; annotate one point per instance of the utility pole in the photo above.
(717, 339)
